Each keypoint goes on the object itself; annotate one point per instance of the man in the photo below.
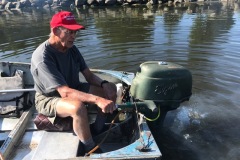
(55, 66)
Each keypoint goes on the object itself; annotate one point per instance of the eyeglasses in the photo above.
(67, 31)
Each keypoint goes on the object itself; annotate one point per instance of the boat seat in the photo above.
(57, 145)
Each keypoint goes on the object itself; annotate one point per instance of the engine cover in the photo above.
(163, 82)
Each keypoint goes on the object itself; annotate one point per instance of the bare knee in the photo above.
(78, 109)
(70, 108)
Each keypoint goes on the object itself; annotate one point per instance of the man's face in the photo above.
(66, 36)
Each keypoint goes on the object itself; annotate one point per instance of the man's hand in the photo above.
(110, 90)
(106, 105)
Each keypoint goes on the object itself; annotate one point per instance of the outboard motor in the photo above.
(165, 83)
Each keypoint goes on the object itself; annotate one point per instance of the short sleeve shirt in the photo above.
(51, 68)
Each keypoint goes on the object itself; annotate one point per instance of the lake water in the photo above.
(203, 37)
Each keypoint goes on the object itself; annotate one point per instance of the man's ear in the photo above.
(56, 31)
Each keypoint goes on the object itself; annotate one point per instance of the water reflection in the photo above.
(204, 37)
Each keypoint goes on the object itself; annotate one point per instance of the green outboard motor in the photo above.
(165, 83)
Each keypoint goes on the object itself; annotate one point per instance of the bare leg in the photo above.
(78, 112)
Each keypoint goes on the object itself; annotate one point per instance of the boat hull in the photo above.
(125, 139)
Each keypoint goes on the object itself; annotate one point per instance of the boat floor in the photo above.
(33, 143)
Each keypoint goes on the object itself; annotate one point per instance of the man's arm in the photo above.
(109, 88)
(106, 105)
(92, 78)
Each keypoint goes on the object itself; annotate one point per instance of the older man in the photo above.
(55, 66)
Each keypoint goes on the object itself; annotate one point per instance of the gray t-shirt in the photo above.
(51, 68)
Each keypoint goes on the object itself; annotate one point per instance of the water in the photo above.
(203, 37)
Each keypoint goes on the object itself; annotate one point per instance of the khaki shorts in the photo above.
(47, 104)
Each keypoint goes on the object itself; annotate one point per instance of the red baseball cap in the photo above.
(65, 19)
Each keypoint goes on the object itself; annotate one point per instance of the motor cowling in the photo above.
(165, 83)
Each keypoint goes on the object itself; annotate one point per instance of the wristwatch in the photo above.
(104, 81)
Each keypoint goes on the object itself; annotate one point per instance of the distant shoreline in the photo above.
(7, 5)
